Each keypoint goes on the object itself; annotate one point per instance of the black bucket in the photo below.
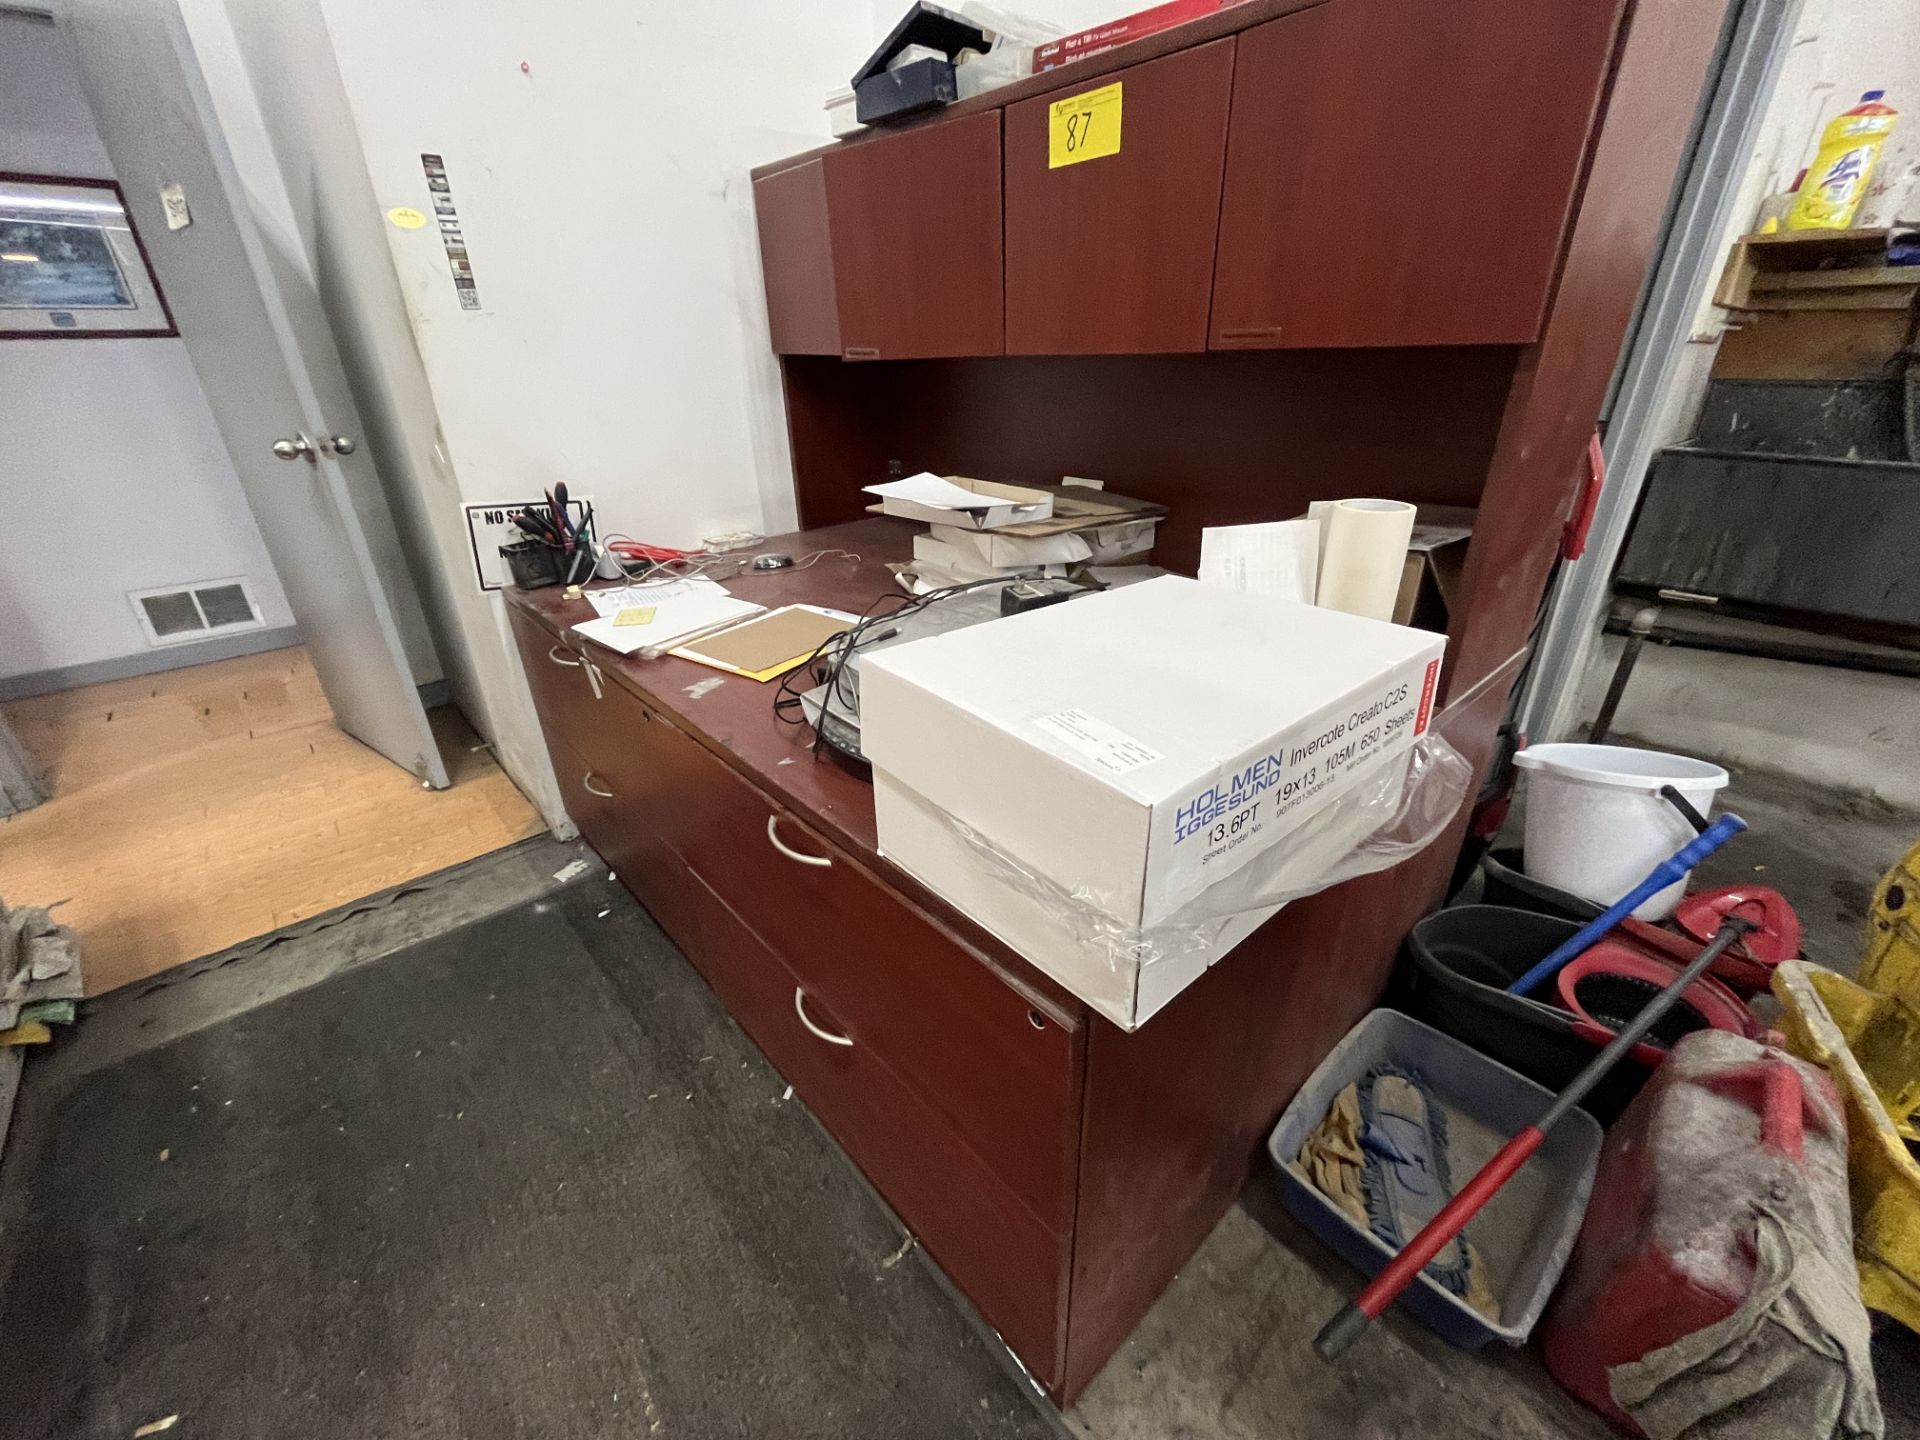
(1460, 962)
(1504, 881)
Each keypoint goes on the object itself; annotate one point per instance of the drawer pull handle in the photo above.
(800, 1009)
(773, 834)
(593, 789)
(554, 654)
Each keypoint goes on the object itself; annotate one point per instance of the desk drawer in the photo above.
(987, 1239)
(615, 816)
(999, 1068)
(557, 676)
(591, 722)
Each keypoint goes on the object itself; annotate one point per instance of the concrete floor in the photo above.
(1822, 847)
(1225, 1354)
(1226, 1351)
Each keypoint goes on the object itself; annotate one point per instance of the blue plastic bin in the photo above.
(1524, 1234)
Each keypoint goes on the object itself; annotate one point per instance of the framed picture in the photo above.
(71, 264)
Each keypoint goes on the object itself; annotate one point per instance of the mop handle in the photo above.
(1341, 1331)
(1673, 868)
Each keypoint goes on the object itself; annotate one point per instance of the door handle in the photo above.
(297, 448)
(586, 782)
(800, 1009)
(773, 834)
(339, 444)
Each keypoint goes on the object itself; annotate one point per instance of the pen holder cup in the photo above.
(535, 565)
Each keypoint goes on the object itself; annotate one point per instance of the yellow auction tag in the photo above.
(1084, 128)
(635, 615)
(405, 217)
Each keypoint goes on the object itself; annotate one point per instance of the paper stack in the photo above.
(1382, 559)
(649, 620)
(979, 530)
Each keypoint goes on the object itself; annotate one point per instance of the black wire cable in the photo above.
(829, 670)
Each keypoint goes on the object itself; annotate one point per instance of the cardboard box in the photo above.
(1131, 749)
(942, 560)
(932, 498)
(1436, 561)
(998, 550)
(1130, 544)
(1114, 33)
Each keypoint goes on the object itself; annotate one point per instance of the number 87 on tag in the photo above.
(1084, 127)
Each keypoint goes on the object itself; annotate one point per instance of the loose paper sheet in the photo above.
(614, 599)
(1279, 558)
(930, 490)
(676, 617)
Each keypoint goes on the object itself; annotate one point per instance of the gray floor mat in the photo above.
(523, 1178)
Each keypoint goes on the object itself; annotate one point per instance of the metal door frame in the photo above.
(1758, 37)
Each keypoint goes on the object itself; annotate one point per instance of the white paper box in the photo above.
(961, 502)
(923, 842)
(1011, 551)
(1135, 747)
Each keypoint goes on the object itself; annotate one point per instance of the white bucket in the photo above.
(1596, 822)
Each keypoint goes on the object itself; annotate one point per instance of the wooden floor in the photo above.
(209, 805)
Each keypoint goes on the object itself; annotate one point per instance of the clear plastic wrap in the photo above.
(1395, 811)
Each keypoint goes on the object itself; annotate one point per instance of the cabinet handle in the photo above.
(592, 789)
(553, 654)
(1252, 332)
(860, 352)
(800, 1009)
(773, 834)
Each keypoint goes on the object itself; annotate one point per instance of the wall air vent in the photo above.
(181, 613)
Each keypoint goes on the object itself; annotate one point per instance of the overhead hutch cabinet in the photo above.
(1355, 173)
(1354, 247)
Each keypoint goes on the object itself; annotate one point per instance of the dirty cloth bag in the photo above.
(1791, 1363)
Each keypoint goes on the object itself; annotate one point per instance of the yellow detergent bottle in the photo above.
(1837, 181)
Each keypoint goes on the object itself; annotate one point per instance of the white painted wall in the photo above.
(599, 158)
(112, 435)
(604, 193)
(605, 198)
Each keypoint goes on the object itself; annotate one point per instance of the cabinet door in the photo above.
(1400, 172)
(796, 259)
(915, 225)
(1114, 255)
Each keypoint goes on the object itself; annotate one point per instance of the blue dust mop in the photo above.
(1408, 1179)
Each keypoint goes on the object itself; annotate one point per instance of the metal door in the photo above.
(266, 359)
